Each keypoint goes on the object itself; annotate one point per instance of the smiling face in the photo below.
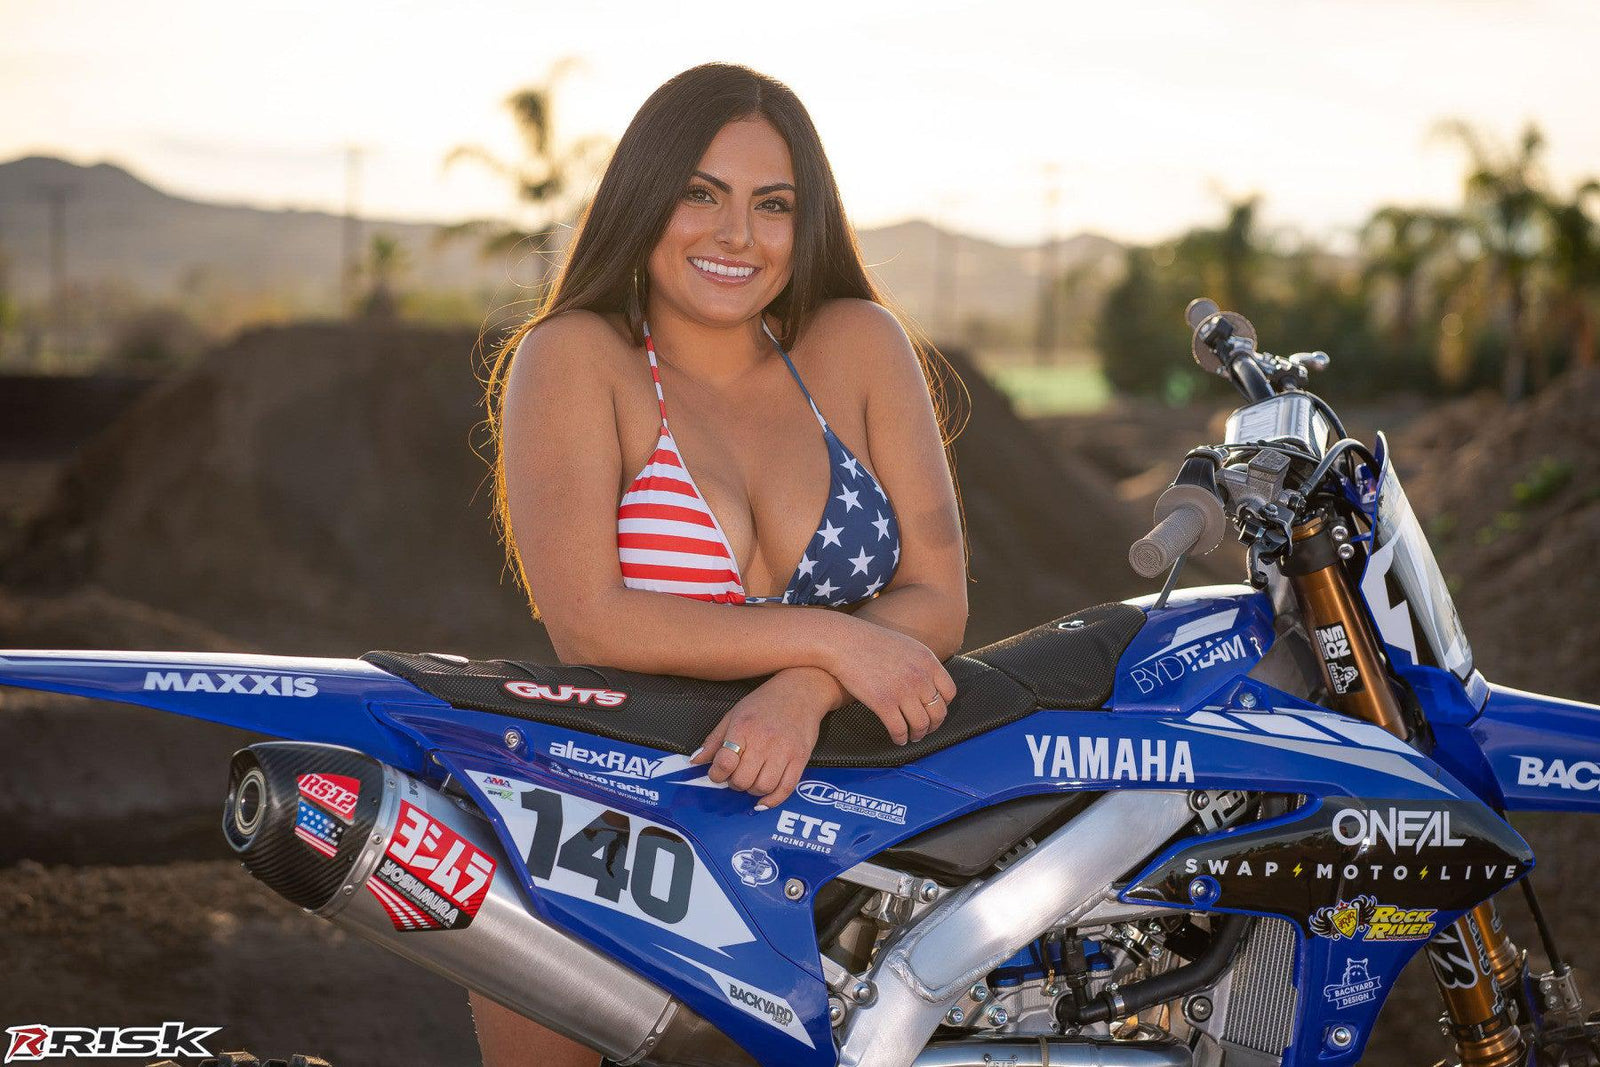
(728, 249)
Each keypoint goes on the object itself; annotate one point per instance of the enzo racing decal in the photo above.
(430, 877)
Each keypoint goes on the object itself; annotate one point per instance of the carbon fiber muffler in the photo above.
(386, 856)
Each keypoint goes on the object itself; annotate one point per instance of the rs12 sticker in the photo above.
(430, 877)
(1334, 644)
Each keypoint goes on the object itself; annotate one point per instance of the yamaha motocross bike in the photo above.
(1205, 827)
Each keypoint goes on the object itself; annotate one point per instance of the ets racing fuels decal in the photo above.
(430, 878)
(1354, 866)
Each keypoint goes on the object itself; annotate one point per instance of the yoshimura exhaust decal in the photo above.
(430, 877)
(327, 806)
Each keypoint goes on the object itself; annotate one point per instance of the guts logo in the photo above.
(566, 694)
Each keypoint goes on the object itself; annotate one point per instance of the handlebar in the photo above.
(1172, 537)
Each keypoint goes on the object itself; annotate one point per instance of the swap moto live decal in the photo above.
(583, 850)
(1363, 869)
(430, 877)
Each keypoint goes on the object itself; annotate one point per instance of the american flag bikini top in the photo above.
(669, 541)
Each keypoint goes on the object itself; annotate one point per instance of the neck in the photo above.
(710, 352)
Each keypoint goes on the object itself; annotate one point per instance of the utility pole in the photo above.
(1049, 269)
(351, 229)
(56, 196)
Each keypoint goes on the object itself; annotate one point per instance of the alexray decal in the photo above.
(338, 793)
(1580, 775)
(1364, 919)
(806, 831)
(37, 1041)
(1356, 987)
(1395, 828)
(566, 694)
(1106, 759)
(619, 764)
(832, 796)
(754, 867)
(272, 685)
(430, 877)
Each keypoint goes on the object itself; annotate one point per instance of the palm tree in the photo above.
(1572, 258)
(386, 260)
(549, 180)
(1398, 244)
(1503, 202)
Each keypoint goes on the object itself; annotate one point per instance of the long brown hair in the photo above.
(605, 266)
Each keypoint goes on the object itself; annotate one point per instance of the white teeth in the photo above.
(718, 268)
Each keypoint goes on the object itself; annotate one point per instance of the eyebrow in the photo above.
(725, 187)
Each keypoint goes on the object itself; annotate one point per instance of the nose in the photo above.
(733, 227)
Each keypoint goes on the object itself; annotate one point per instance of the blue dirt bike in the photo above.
(1204, 827)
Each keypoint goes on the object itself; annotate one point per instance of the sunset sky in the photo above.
(1149, 112)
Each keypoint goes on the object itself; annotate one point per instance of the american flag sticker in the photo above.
(337, 793)
(319, 830)
(430, 877)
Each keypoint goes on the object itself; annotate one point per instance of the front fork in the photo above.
(1476, 966)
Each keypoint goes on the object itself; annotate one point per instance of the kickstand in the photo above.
(1172, 580)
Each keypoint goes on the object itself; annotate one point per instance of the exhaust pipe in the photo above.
(388, 857)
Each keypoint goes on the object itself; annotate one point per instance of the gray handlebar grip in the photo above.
(1172, 537)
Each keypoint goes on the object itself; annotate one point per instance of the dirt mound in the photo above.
(311, 489)
(1510, 498)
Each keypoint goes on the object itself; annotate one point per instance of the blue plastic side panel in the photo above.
(1201, 640)
(307, 699)
(1544, 752)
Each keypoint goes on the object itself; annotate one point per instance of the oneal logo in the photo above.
(1397, 828)
(778, 1013)
(566, 694)
(271, 685)
(845, 800)
(1581, 775)
(37, 1041)
(1097, 759)
(611, 761)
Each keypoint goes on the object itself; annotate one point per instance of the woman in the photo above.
(714, 279)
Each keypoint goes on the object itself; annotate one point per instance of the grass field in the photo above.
(1071, 384)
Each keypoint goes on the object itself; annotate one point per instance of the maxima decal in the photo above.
(584, 850)
(1355, 987)
(1364, 919)
(832, 796)
(1407, 854)
(752, 1000)
(271, 685)
(1581, 775)
(566, 694)
(1106, 759)
(430, 877)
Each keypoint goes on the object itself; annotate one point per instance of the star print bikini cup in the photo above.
(669, 541)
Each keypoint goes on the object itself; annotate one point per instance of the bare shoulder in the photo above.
(862, 338)
(574, 345)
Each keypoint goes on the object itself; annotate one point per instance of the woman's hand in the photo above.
(775, 728)
(896, 676)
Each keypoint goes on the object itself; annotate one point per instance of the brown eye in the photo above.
(698, 193)
(775, 204)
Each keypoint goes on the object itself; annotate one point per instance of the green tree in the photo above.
(1503, 205)
(549, 179)
(1398, 244)
(1572, 261)
(386, 261)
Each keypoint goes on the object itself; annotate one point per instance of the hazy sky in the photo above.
(1149, 110)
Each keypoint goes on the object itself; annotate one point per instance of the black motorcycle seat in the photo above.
(1069, 663)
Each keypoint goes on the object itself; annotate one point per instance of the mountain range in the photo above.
(119, 229)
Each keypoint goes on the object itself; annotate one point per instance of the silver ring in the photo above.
(735, 747)
(929, 703)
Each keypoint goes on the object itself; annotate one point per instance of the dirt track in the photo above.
(136, 916)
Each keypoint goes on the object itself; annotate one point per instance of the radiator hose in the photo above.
(1201, 972)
